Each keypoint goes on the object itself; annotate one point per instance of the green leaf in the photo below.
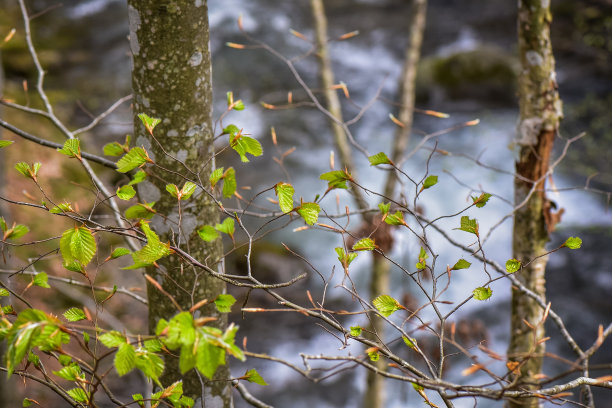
(188, 189)
(512, 265)
(345, 259)
(64, 359)
(150, 364)
(374, 355)
(26, 401)
(365, 244)
(461, 264)
(82, 245)
(429, 182)
(113, 149)
(74, 314)
(284, 192)
(41, 279)
(153, 345)
(395, 219)
(336, 179)
(141, 210)
(139, 399)
(253, 376)
(112, 339)
(148, 122)
(238, 105)
(16, 231)
(469, 225)
(230, 98)
(4, 143)
(25, 169)
(309, 212)
(481, 200)
(386, 305)
(125, 359)
(384, 208)
(421, 264)
(231, 130)
(227, 227)
(215, 176)
(356, 331)
(126, 192)
(78, 395)
(224, 303)
(229, 182)
(72, 148)
(62, 208)
(173, 190)
(573, 243)
(119, 252)
(139, 177)
(4, 292)
(152, 251)
(379, 158)
(482, 293)
(208, 233)
(3, 225)
(410, 342)
(244, 144)
(136, 157)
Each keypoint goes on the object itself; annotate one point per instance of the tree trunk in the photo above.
(540, 113)
(172, 81)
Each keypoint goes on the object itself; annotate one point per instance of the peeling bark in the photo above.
(540, 113)
(172, 80)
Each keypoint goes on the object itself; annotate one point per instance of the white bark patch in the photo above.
(533, 58)
(172, 133)
(134, 19)
(146, 143)
(196, 59)
(545, 4)
(199, 3)
(193, 131)
(146, 102)
(181, 155)
(529, 130)
(148, 192)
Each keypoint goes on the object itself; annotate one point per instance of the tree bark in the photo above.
(540, 113)
(172, 81)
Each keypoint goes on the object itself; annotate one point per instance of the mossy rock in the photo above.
(486, 73)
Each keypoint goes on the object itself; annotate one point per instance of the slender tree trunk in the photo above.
(172, 81)
(379, 281)
(540, 113)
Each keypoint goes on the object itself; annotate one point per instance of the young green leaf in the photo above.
(113, 149)
(215, 176)
(461, 264)
(336, 179)
(112, 339)
(16, 231)
(125, 359)
(119, 252)
(25, 169)
(136, 157)
(384, 208)
(356, 331)
(429, 182)
(365, 244)
(469, 225)
(141, 210)
(284, 192)
(410, 342)
(421, 264)
(126, 192)
(187, 191)
(173, 190)
(243, 144)
(152, 251)
(82, 245)
(78, 394)
(374, 355)
(148, 122)
(344, 258)
(481, 200)
(72, 148)
(379, 158)
(208, 233)
(139, 177)
(62, 208)
(482, 293)
(309, 212)
(386, 305)
(512, 265)
(74, 314)
(4, 292)
(395, 219)
(573, 243)
(227, 227)
(238, 105)
(224, 303)
(4, 143)
(41, 279)
(229, 183)
(253, 376)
